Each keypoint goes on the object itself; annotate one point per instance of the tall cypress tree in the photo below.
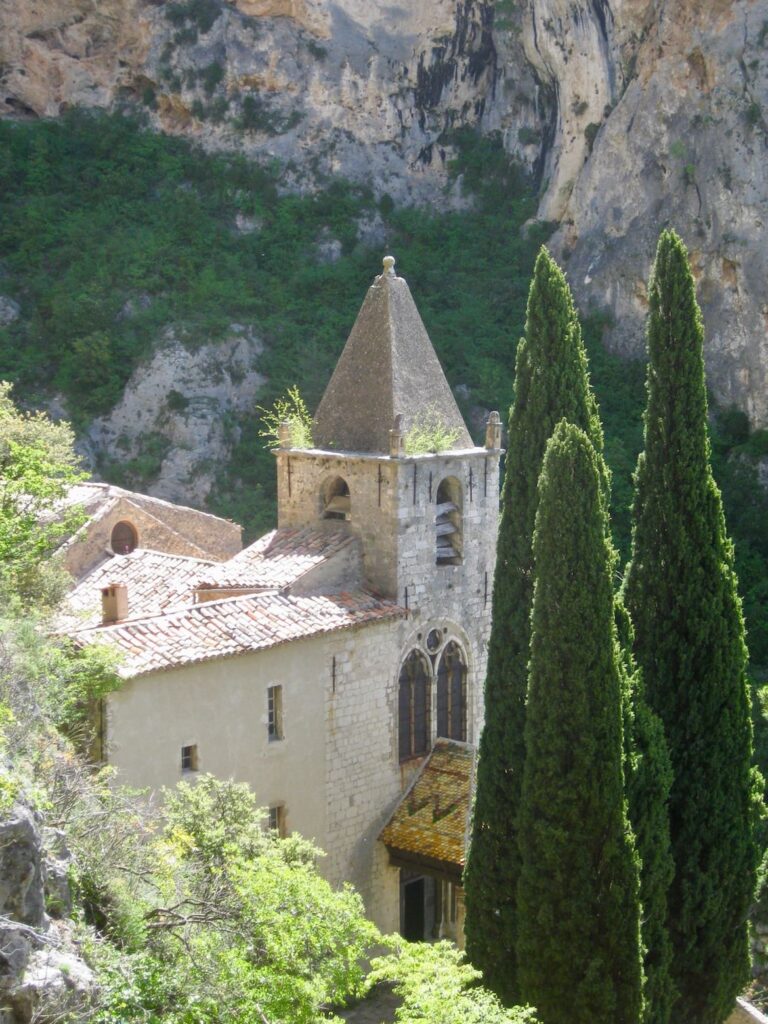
(680, 590)
(551, 383)
(578, 941)
(647, 780)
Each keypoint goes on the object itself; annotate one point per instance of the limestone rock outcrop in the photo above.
(685, 147)
(178, 404)
(42, 977)
(630, 114)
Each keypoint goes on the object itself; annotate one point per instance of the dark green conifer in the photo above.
(551, 383)
(647, 781)
(680, 590)
(578, 941)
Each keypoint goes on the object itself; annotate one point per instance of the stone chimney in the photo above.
(285, 434)
(114, 603)
(493, 432)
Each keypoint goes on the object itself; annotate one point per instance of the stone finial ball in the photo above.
(389, 265)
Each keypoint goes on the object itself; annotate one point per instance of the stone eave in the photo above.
(442, 869)
(328, 453)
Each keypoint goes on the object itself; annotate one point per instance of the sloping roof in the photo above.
(93, 495)
(430, 824)
(235, 625)
(156, 581)
(279, 558)
(388, 368)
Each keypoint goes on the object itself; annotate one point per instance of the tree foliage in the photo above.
(648, 778)
(437, 986)
(681, 592)
(579, 955)
(551, 382)
(38, 464)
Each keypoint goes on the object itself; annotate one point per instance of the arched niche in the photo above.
(335, 502)
(449, 546)
(124, 538)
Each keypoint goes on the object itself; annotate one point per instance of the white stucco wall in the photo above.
(221, 706)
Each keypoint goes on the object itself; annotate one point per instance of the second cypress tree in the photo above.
(551, 382)
(680, 590)
(578, 948)
(647, 779)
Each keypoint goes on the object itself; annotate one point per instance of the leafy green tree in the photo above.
(681, 592)
(579, 952)
(37, 466)
(551, 382)
(437, 986)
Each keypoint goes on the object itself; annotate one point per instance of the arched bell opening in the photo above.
(335, 500)
(449, 548)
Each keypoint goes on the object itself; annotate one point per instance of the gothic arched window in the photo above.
(413, 706)
(448, 539)
(124, 538)
(452, 694)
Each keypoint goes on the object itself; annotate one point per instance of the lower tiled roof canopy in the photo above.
(235, 625)
(429, 827)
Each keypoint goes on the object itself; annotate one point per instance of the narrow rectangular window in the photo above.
(276, 821)
(189, 758)
(275, 713)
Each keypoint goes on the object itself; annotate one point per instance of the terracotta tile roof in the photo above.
(156, 581)
(431, 821)
(279, 558)
(235, 625)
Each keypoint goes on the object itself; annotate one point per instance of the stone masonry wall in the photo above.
(372, 482)
(392, 510)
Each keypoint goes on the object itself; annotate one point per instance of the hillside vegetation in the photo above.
(109, 233)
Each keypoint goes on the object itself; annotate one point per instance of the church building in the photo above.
(337, 664)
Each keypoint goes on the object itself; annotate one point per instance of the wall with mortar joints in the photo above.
(373, 509)
(361, 765)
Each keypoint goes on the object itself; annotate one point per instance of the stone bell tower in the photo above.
(427, 521)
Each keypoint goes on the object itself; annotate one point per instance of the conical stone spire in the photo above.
(388, 368)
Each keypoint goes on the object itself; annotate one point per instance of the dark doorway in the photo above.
(413, 910)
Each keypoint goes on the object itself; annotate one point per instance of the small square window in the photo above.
(189, 758)
(276, 821)
(275, 713)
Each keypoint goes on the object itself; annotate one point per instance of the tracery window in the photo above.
(413, 706)
(452, 694)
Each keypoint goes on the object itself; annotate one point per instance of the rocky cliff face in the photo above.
(350, 87)
(631, 114)
(176, 409)
(685, 146)
(42, 976)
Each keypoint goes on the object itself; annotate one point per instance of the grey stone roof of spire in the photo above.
(388, 368)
